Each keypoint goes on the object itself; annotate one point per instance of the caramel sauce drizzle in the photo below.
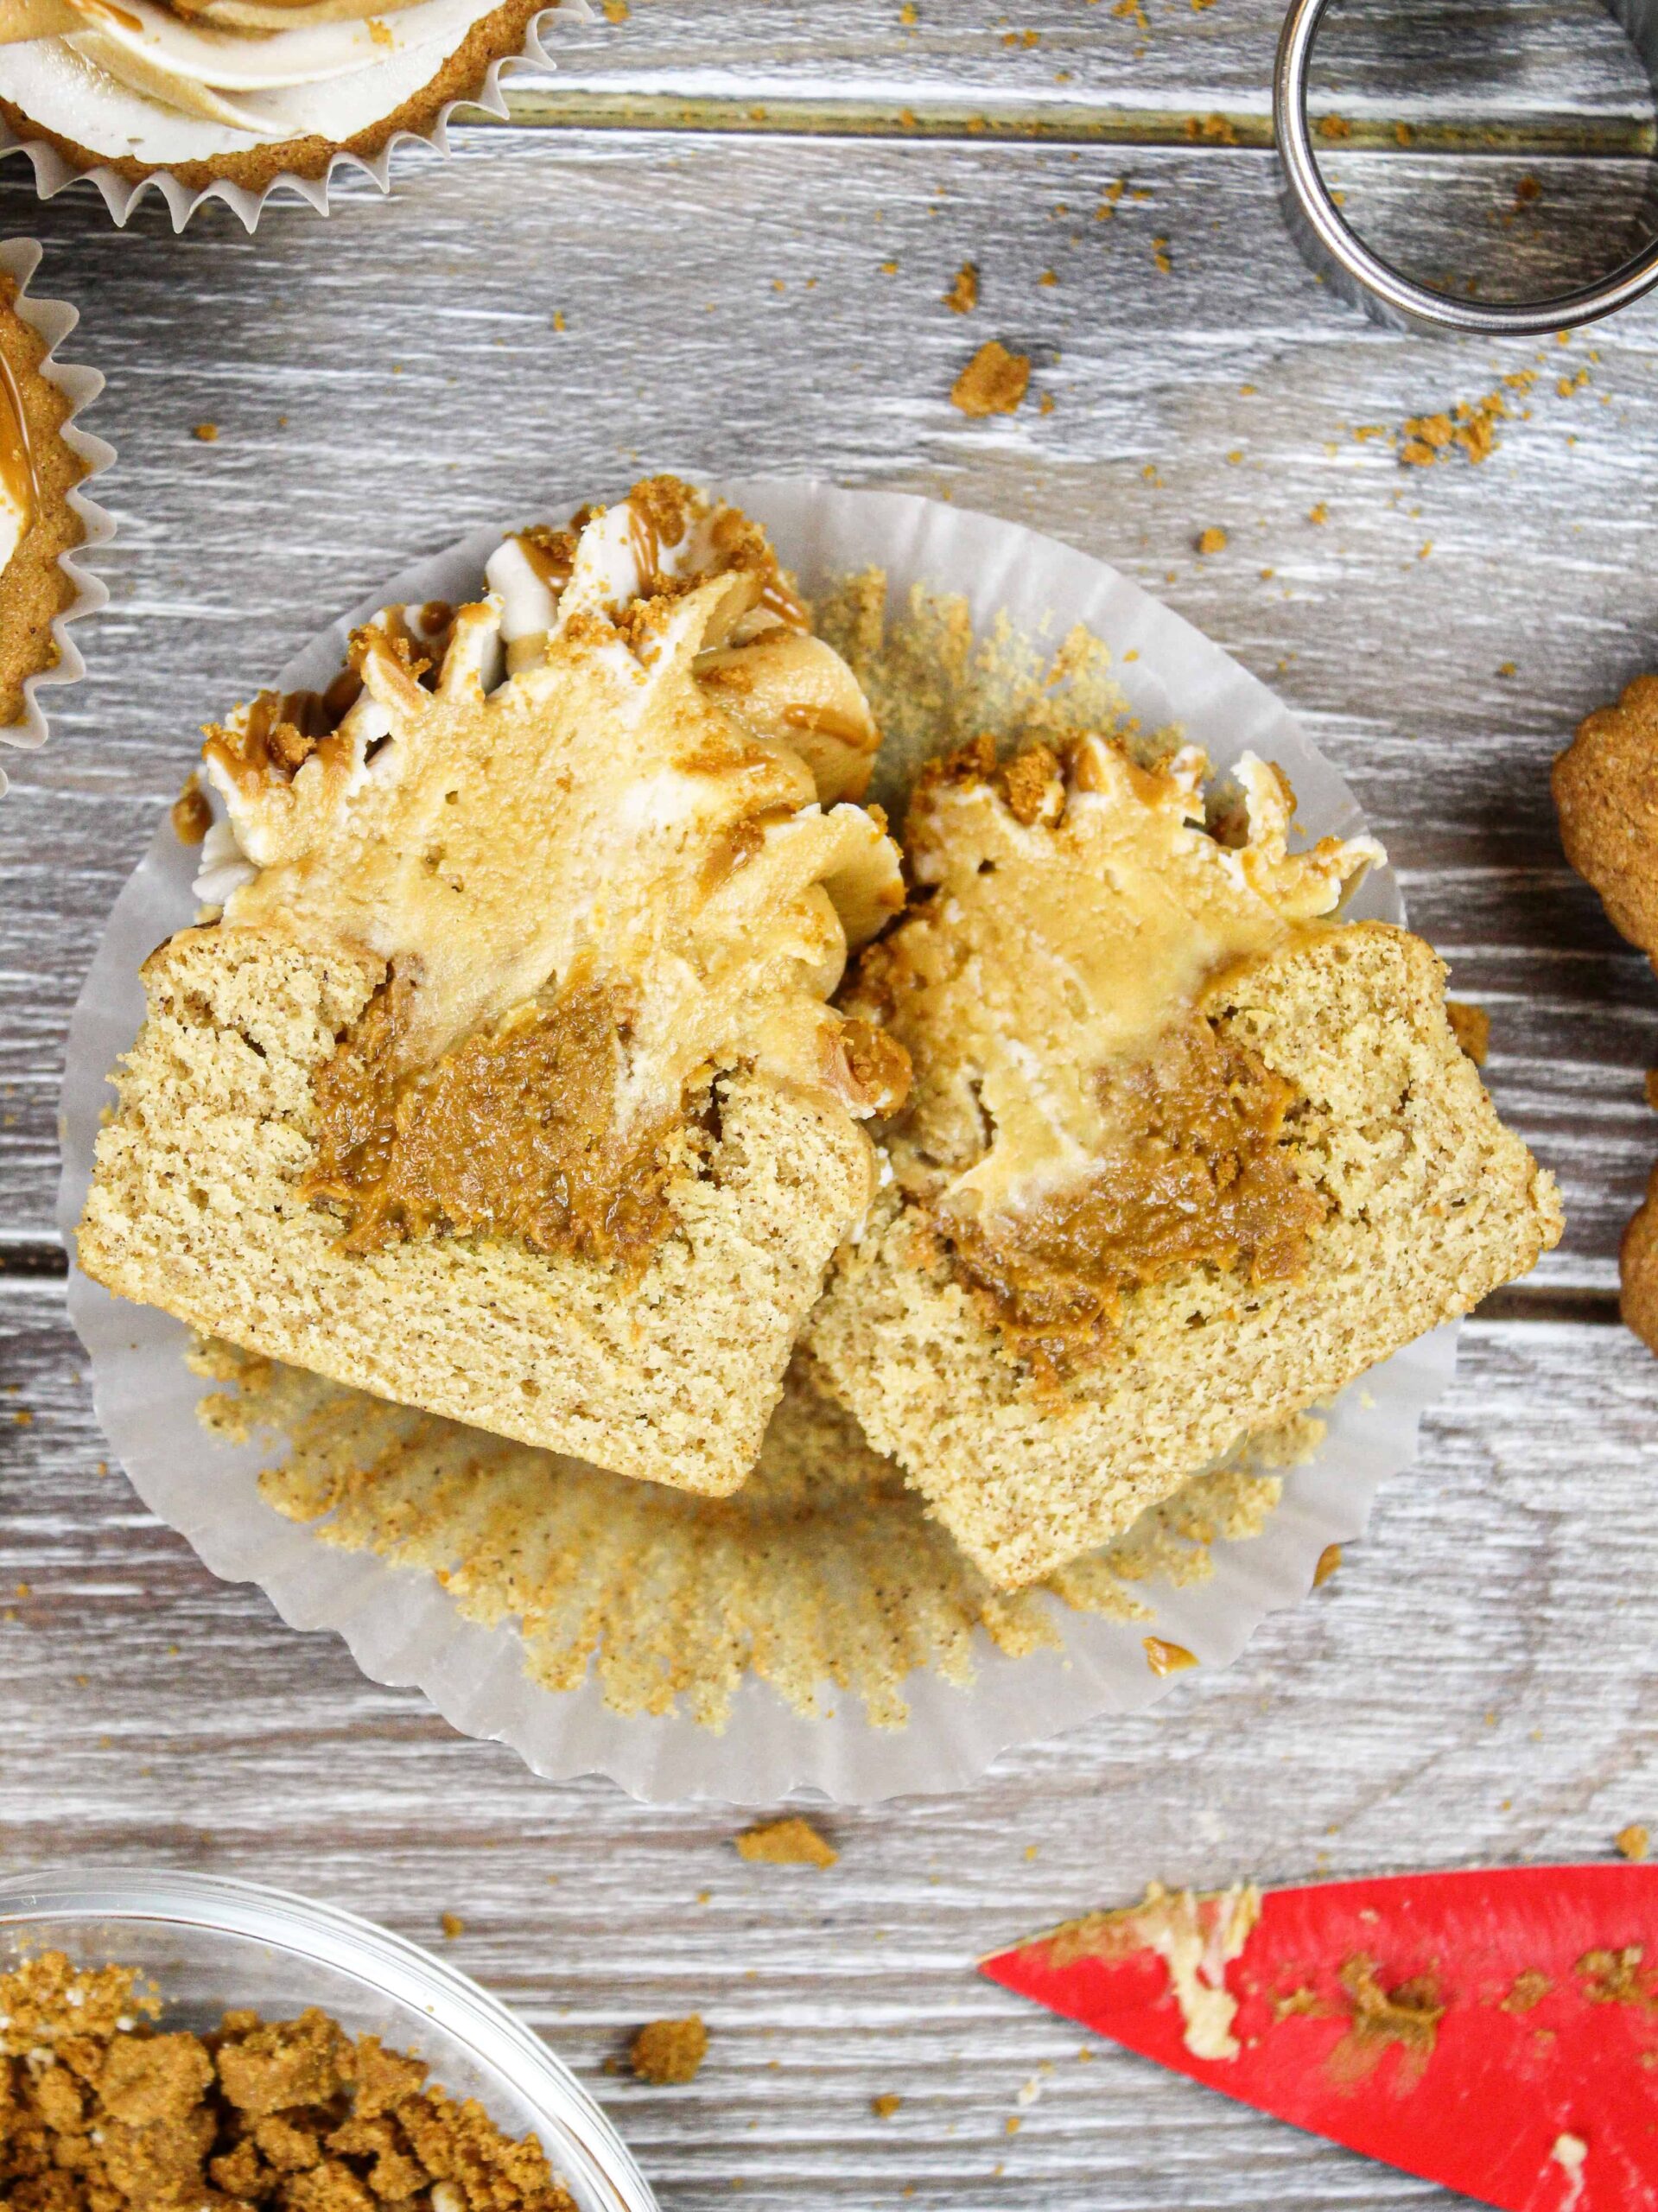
(820, 721)
(282, 731)
(777, 598)
(645, 543)
(551, 554)
(123, 18)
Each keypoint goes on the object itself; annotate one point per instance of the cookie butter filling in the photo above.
(594, 885)
(1077, 1127)
(510, 1134)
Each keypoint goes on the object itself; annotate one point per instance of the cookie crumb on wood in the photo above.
(1473, 1028)
(1633, 1841)
(454, 1925)
(207, 432)
(786, 1843)
(667, 2051)
(995, 382)
(886, 2105)
(963, 294)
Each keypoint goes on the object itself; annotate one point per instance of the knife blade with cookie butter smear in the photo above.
(1494, 2029)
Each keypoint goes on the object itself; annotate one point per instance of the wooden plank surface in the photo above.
(718, 241)
(1545, 70)
(1476, 1683)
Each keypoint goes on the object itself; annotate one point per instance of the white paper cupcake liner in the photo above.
(121, 194)
(401, 1627)
(52, 322)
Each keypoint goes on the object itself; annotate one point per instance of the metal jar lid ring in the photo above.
(1331, 247)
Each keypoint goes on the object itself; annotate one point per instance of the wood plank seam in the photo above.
(1069, 121)
(37, 1261)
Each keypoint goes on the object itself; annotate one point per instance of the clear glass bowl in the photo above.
(211, 1943)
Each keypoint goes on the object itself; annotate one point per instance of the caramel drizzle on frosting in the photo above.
(17, 470)
(281, 731)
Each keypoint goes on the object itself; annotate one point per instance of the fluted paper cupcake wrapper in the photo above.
(54, 169)
(52, 322)
(402, 1627)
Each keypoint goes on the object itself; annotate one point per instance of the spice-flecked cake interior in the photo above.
(500, 1076)
(1183, 1153)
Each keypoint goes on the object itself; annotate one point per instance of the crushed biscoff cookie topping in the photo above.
(1076, 1126)
(600, 827)
(101, 2111)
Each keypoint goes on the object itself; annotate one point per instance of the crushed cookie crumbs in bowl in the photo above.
(198, 1948)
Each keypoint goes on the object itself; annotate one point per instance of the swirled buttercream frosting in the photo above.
(169, 81)
(601, 825)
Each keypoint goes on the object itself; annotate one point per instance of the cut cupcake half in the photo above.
(1183, 1151)
(499, 1077)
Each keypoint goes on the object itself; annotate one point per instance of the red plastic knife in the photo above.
(1494, 2031)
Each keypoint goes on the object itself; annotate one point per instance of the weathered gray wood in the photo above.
(1534, 66)
(1476, 1684)
(560, 307)
(384, 383)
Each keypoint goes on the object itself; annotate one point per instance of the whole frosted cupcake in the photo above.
(242, 92)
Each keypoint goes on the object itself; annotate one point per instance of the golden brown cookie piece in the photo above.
(670, 2051)
(98, 2112)
(1605, 789)
(34, 588)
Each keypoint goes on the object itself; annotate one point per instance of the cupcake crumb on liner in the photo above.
(51, 320)
(768, 1655)
(247, 184)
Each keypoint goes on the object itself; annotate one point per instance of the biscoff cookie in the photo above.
(101, 2111)
(1605, 787)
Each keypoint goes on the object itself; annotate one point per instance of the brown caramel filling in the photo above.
(1193, 1174)
(510, 1134)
